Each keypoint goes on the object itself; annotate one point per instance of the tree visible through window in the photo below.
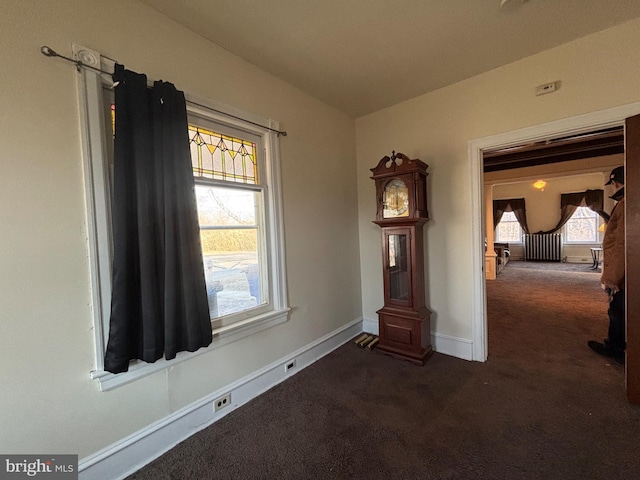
(509, 230)
(582, 227)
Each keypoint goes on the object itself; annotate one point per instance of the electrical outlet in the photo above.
(221, 402)
(288, 366)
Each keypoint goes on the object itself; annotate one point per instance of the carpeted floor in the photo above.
(555, 266)
(545, 311)
(542, 407)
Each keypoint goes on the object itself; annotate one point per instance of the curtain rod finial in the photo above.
(47, 51)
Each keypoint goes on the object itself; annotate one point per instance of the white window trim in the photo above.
(94, 148)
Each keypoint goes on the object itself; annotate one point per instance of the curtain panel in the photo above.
(515, 205)
(594, 199)
(159, 299)
(569, 203)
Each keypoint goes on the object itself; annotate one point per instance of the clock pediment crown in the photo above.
(398, 164)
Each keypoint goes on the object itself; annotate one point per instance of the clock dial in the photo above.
(396, 199)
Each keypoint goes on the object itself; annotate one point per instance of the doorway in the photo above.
(601, 120)
(614, 117)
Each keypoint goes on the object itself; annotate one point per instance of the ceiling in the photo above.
(364, 55)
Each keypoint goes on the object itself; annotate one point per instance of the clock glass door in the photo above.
(398, 269)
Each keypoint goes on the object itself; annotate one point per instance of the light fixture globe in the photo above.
(539, 185)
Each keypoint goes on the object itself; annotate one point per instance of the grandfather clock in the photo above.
(401, 197)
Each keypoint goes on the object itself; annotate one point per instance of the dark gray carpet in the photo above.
(542, 407)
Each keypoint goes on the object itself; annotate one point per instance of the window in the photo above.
(236, 170)
(582, 227)
(230, 196)
(509, 230)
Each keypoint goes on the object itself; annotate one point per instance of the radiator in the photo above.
(543, 247)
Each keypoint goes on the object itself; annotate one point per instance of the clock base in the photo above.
(405, 334)
(420, 359)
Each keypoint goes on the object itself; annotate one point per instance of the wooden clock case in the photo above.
(404, 320)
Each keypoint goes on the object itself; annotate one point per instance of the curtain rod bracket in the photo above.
(50, 52)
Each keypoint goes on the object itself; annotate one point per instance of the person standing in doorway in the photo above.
(613, 273)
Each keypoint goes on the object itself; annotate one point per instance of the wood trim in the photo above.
(604, 142)
(632, 232)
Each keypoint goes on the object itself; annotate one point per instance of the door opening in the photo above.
(602, 120)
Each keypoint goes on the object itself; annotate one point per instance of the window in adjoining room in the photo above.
(582, 227)
(508, 230)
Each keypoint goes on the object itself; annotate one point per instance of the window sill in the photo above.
(221, 336)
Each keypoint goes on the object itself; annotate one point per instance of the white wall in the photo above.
(597, 72)
(48, 402)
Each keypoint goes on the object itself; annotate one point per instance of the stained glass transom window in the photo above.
(113, 119)
(222, 157)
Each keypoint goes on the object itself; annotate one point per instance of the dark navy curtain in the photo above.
(159, 298)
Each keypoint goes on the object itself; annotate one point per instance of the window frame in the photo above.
(598, 236)
(95, 146)
(496, 232)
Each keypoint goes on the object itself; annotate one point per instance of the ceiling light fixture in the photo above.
(539, 185)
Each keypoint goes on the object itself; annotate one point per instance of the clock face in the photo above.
(395, 199)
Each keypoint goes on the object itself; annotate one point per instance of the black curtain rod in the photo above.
(49, 52)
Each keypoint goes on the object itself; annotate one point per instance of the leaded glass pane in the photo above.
(113, 119)
(222, 157)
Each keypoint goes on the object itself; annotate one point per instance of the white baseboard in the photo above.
(578, 259)
(567, 259)
(130, 454)
(448, 345)
(370, 326)
(452, 346)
